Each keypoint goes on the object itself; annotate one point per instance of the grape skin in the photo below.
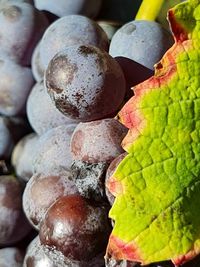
(98, 141)
(53, 150)
(13, 224)
(70, 30)
(85, 83)
(41, 111)
(36, 65)
(41, 191)
(11, 257)
(22, 156)
(15, 84)
(18, 41)
(89, 8)
(84, 225)
(142, 41)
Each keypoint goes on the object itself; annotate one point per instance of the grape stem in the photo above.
(149, 9)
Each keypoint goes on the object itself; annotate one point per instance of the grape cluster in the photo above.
(65, 72)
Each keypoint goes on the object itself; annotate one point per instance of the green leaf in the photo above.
(157, 186)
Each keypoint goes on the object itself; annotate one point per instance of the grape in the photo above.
(110, 27)
(70, 30)
(72, 224)
(85, 83)
(22, 156)
(15, 85)
(38, 255)
(42, 191)
(36, 65)
(13, 224)
(90, 179)
(53, 150)
(111, 169)
(22, 27)
(6, 141)
(42, 113)
(11, 257)
(142, 41)
(62, 8)
(98, 141)
(134, 73)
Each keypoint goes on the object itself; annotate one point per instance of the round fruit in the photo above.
(71, 30)
(42, 113)
(42, 190)
(13, 224)
(85, 83)
(142, 41)
(62, 8)
(75, 227)
(98, 141)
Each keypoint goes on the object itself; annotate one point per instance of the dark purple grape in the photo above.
(76, 227)
(142, 41)
(70, 30)
(42, 113)
(11, 257)
(42, 190)
(111, 169)
(98, 141)
(89, 8)
(22, 156)
(134, 73)
(24, 27)
(15, 84)
(38, 255)
(53, 150)
(85, 83)
(13, 224)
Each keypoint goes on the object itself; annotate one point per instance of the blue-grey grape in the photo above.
(11, 257)
(70, 30)
(15, 84)
(53, 150)
(142, 41)
(36, 64)
(62, 8)
(41, 111)
(22, 156)
(22, 26)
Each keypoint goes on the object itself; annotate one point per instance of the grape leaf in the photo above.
(157, 185)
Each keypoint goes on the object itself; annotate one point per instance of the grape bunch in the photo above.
(66, 69)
